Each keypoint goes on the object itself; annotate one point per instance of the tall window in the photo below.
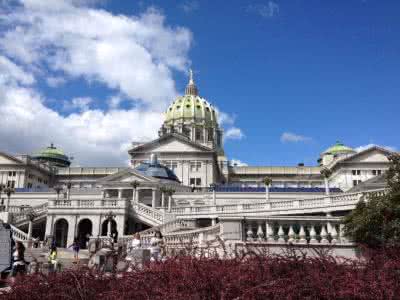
(199, 134)
(210, 134)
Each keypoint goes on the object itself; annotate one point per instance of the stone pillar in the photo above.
(327, 192)
(213, 221)
(120, 225)
(109, 227)
(120, 193)
(169, 203)
(163, 200)
(266, 193)
(49, 225)
(214, 197)
(153, 198)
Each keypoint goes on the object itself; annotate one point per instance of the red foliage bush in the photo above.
(248, 277)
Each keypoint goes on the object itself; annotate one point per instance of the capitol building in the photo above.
(183, 185)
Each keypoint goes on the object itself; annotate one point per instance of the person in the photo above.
(156, 243)
(19, 264)
(133, 244)
(75, 247)
(53, 258)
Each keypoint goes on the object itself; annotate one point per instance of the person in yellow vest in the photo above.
(53, 258)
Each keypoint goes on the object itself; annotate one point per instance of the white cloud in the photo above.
(289, 137)
(80, 103)
(234, 133)
(134, 54)
(93, 137)
(54, 81)
(190, 6)
(237, 163)
(11, 73)
(268, 10)
(365, 147)
(58, 41)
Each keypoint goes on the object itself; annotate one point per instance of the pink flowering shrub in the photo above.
(248, 277)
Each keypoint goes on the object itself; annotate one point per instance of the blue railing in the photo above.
(32, 190)
(236, 189)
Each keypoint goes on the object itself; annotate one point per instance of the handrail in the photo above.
(18, 234)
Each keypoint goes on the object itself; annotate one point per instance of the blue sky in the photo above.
(290, 77)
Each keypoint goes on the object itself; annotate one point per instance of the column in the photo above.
(153, 198)
(162, 200)
(213, 221)
(169, 203)
(30, 229)
(49, 225)
(120, 225)
(120, 193)
(327, 192)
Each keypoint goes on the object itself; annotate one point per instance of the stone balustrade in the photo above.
(106, 203)
(304, 205)
(295, 230)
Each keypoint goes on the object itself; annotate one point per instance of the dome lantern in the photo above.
(191, 88)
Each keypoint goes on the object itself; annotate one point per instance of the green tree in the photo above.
(376, 222)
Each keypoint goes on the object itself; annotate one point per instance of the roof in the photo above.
(52, 153)
(374, 183)
(191, 107)
(153, 168)
(338, 148)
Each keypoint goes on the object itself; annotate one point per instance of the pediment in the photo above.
(6, 159)
(171, 143)
(373, 155)
(127, 175)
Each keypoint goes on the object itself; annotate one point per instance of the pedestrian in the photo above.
(156, 243)
(75, 247)
(52, 259)
(19, 264)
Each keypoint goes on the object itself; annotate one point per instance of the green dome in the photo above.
(54, 156)
(338, 148)
(190, 107)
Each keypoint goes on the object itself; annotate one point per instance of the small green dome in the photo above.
(54, 156)
(191, 107)
(338, 148)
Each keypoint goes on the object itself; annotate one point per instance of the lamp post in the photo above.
(8, 191)
(163, 191)
(58, 190)
(267, 182)
(213, 187)
(170, 192)
(109, 217)
(2, 187)
(134, 184)
(326, 173)
(30, 216)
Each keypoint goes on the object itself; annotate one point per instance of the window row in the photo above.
(374, 172)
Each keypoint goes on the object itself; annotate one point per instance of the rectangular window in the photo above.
(210, 135)
(14, 173)
(10, 173)
(379, 172)
(195, 166)
(198, 181)
(374, 172)
(354, 182)
(353, 172)
(192, 181)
